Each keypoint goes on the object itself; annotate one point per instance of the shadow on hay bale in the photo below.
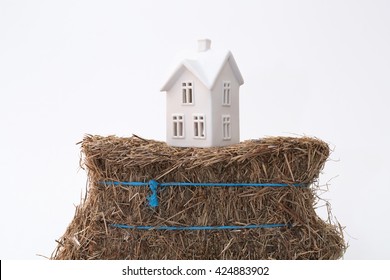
(270, 160)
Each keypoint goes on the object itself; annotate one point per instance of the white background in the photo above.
(67, 68)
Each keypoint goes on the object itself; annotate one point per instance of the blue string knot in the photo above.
(152, 198)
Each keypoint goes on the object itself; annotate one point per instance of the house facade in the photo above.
(202, 99)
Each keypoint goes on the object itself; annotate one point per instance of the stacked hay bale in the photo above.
(91, 234)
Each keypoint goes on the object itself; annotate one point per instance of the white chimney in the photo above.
(204, 45)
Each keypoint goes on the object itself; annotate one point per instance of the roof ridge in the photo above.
(206, 66)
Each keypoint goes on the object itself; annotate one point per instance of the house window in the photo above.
(178, 126)
(199, 127)
(226, 93)
(226, 133)
(187, 93)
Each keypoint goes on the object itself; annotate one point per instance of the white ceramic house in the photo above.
(202, 99)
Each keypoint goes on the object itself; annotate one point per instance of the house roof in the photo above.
(205, 65)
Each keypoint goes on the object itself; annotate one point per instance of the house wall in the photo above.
(232, 110)
(202, 105)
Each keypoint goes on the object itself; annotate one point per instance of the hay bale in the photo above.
(270, 160)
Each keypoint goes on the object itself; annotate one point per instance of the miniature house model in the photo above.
(202, 99)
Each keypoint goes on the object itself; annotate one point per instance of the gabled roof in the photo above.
(205, 65)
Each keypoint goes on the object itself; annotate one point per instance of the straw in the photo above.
(281, 160)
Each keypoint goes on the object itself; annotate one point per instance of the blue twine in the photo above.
(153, 185)
(198, 227)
